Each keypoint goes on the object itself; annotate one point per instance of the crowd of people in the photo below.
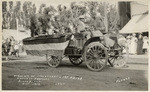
(10, 47)
(137, 44)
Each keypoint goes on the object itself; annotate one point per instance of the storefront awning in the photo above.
(137, 24)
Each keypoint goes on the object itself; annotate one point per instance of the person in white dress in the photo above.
(145, 44)
(133, 46)
(16, 48)
(128, 40)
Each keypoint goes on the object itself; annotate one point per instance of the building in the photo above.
(124, 13)
(139, 18)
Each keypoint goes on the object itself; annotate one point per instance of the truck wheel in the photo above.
(95, 56)
(75, 60)
(117, 58)
(53, 61)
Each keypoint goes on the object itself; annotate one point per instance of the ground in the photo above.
(33, 73)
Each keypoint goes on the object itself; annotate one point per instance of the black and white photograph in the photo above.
(74, 45)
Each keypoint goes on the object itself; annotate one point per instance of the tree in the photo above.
(96, 12)
(10, 4)
(4, 6)
(17, 12)
(4, 14)
(34, 8)
(45, 17)
(34, 25)
(41, 8)
(77, 10)
(92, 5)
(11, 11)
(113, 18)
(59, 8)
(105, 13)
(25, 8)
(101, 9)
(28, 10)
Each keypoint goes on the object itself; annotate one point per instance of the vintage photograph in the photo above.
(76, 45)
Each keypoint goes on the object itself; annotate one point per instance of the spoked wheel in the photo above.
(53, 61)
(75, 60)
(95, 56)
(117, 58)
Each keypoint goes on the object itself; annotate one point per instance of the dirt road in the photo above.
(33, 73)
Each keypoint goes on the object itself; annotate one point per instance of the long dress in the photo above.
(145, 45)
(133, 45)
(129, 44)
(12, 47)
(140, 46)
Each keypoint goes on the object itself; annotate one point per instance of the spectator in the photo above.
(145, 44)
(140, 44)
(128, 40)
(4, 48)
(133, 44)
(12, 43)
(16, 49)
(7, 48)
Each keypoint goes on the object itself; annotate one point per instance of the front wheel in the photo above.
(75, 60)
(95, 56)
(118, 58)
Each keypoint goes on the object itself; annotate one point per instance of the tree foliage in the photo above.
(62, 16)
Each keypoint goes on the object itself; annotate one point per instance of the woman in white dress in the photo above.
(145, 44)
(128, 40)
(133, 46)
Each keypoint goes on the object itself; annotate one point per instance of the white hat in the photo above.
(128, 36)
(134, 34)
